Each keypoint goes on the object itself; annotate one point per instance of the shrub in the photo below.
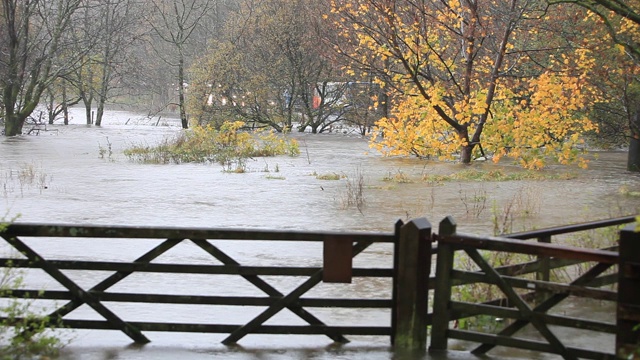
(229, 146)
(23, 333)
(354, 195)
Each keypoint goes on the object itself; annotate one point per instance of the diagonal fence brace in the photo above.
(522, 306)
(545, 306)
(77, 291)
(285, 301)
(117, 276)
(268, 289)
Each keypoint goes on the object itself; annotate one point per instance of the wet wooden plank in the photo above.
(118, 276)
(414, 266)
(558, 288)
(540, 249)
(202, 299)
(142, 232)
(463, 310)
(227, 328)
(337, 261)
(394, 285)
(533, 266)
(498, 340)
(566, 229)
(193, 269)
(442, 295)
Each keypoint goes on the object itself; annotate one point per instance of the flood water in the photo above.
(77, 174)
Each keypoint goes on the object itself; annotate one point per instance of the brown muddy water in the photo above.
(77, 174)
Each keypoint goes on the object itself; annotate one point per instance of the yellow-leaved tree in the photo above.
(499, 78)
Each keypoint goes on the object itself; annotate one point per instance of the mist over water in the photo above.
(77, 174)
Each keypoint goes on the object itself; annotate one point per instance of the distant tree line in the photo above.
(499, 78)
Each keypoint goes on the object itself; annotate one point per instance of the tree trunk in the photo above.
(633, 160)
(65, 106)
(465, 150)
(465, 154)
(100, 113)
(13, 125)
(183, 112)
(102, 100)
(87, 112)
(52, 113)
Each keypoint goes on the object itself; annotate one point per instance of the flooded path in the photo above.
(77, 174)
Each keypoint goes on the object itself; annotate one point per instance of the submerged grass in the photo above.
(330, 176)
(354, 195)
(273, 177)
(28, 176)
(398, 177)
(626, 191)
(228, 146)
(497, 175)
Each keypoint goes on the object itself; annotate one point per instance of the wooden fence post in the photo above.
(442, 292)
(628, 313)
(412, 294)
(544, 270)
(394, 291)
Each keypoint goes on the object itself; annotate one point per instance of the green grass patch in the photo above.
(497, 175)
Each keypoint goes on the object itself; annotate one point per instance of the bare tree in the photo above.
(33, 55)
(267, 68)
(119, 33)
(174, 22)
(85, 35)
(59, 101)
(112, 30)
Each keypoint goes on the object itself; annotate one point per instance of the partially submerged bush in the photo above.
(23, 333)
(228, 146)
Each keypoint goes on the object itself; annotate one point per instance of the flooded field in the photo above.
(77, 174)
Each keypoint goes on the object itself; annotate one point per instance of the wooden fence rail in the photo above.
(168, 238)
(525, 300)
(528, 287)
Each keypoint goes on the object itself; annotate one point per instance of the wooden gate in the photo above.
(528, 288)
(528, 291)
(17, 235)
